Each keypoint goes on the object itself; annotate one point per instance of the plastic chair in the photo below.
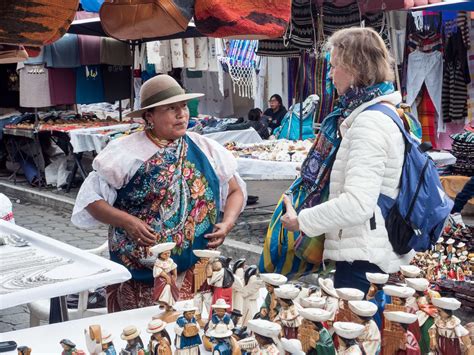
(39, 310)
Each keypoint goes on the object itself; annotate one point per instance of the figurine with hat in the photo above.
(220, 315)
(292, 347)
(447, 333)
(223, 343)
(108, 347)
(134, 343)
(370, 340)
(426, 312)
(347, 334)
(252, 286)
(267, 335)
(187, 332)
(165, 291)
(238, 269)
(328, 292)
(399, 339)
(202, 291)
(314, 337)
(270, 307)
(288, 316)
(220, 278)
(160, 341)
(69, 348)
(93, 338)
(347, 294)
(377, 296)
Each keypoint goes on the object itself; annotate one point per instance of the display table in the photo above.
(47, 268)
(245, 136)
(255, 169)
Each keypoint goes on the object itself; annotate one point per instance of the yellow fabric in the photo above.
(454, 184)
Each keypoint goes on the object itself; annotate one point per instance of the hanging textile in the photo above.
(471, 72)
(426, 116)
(240, 61)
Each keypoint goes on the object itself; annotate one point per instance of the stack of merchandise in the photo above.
(463, 150)
(450, 265)
(277, 150)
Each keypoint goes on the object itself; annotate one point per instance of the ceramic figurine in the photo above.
(347, 294)
(347, 334)
(219, 316)
(93, 338)
(370, 340)
(238, 285)
(398, 340)
(187, 332)
(447, 333)
(247, 345)
(202, 290)
(450, 250)
(328, 292)
(24, 350)
(377, 296)
(314, 337)
(270, 307)
(220, 278)
(134, 343)
(288, 316)
(425, 312)
(223, 342)
(292, 347)
(69, 348)
(410, 271)
(460, 248)
(160, 341)
(165, 291)
(400, 302)
(252, 286)
(267, 335)
(108, 347)
(313, 301)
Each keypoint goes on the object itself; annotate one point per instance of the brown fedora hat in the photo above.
(159, 91)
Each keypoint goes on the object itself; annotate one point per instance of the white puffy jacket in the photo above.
(369, 162)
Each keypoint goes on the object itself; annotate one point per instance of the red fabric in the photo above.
(412, 346)
(449, 346)
(224, 293)
(159, 286)
(426, 116)
(290, 333)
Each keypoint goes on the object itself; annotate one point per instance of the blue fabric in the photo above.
(290, 125)
(352, 275)
(216, 320)
(380, 300)
(223, 347)
(91, 5)
(89, 85)
(421, 201)
(63, 53)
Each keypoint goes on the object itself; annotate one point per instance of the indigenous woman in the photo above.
(160, 185)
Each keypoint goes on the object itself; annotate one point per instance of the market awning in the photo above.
(449, 5)
(93, 27)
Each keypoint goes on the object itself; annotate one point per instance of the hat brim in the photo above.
(157, 330)
(131, 336)
(171, 100)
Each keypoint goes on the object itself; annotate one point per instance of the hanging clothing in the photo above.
(63, 53)
(425, 68)
(89, 84)
(34, 86)
(62, 86)
(426, 116)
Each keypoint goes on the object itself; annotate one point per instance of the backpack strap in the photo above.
(406, 136)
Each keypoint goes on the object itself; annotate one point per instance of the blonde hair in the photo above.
(363, 53)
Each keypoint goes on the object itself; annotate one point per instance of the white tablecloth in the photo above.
(89, 140)
(255, 169)
(45, 339)
(82, 272)
(246, 136)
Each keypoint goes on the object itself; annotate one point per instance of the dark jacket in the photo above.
(276, 117)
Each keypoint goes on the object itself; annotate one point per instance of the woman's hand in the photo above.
(139, 231)
(218, 235)
(289, 220)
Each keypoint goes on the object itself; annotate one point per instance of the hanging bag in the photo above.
(245, 19)
(142, 19)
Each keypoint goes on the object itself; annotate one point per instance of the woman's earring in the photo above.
(149, 125)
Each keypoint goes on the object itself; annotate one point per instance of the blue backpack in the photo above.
(415, 219)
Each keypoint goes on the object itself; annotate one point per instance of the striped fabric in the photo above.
(471, 71)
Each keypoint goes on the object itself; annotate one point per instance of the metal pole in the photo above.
(301, 69)
(120, 107)
(132, 86)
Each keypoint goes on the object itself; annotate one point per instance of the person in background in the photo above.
(275, 112)
(465, 195)
(258, 123)
(367, 151)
